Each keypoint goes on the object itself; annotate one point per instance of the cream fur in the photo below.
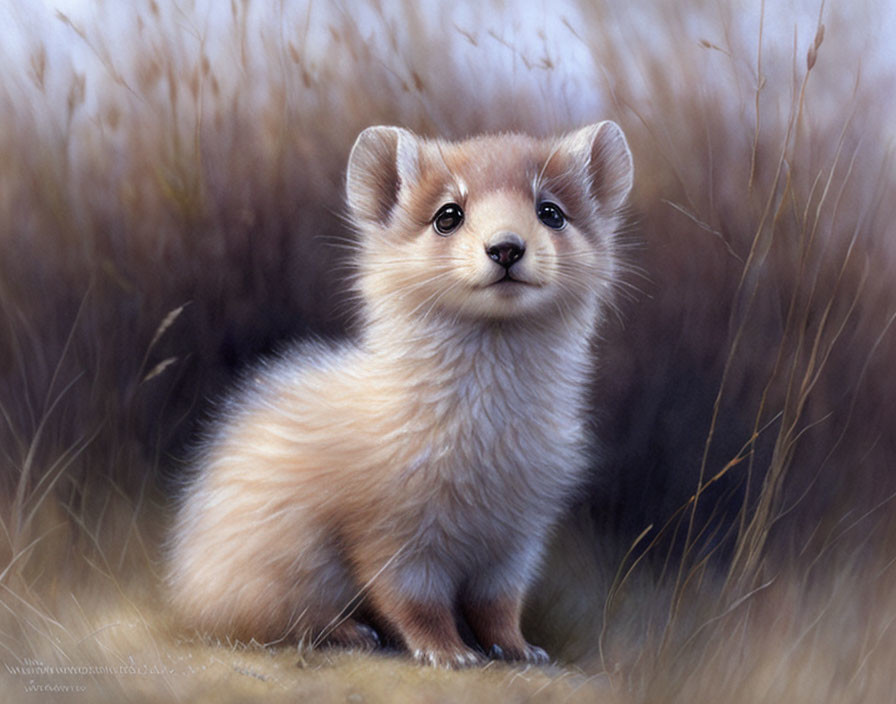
(421, 468)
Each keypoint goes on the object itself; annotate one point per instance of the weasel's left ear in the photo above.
(604, 153)
(383, 161)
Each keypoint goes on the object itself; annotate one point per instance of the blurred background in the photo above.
(171, 179)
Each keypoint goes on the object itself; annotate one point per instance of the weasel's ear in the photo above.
(602, 149)
(383, 161)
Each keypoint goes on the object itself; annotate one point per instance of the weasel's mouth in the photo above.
(508, 280)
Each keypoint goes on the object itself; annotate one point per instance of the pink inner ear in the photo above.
(611, 166)
(372, 178)
(407, 159)
(382, 161)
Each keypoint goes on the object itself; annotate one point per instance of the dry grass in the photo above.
(171, 208)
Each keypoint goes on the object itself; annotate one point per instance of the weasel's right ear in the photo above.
(602, 149)
(383, 161)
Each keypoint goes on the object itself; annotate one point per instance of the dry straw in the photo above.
(176, 212)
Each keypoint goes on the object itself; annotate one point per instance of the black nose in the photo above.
(507, 252)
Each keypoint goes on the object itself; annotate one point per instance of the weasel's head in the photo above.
(493, 227)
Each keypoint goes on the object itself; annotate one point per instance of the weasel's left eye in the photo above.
(448, 219)
(551, 215)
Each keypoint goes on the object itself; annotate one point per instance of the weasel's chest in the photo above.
(489, 482)
(488, 451)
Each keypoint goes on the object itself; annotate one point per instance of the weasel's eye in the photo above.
(551, 215)
(448, 218)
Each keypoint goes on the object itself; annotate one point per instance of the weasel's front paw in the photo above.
(530, 653)
(452, 658)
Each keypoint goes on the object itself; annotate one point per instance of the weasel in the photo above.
(397, 484)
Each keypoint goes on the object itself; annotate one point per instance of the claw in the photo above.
(369, 634)
(466, 659)
(537, 655)
(531, 653)
(446, 658)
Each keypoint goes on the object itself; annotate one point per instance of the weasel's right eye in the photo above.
(448, 218)
(551, 215)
